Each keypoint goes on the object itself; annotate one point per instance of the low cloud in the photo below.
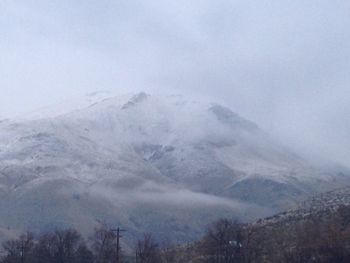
(152, 193)
(282, 64)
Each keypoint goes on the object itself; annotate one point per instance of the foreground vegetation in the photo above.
(316, 238)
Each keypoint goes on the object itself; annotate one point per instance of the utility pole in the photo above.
(118, 230)
(21, 253)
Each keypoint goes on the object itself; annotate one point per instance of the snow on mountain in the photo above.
(148, 163)
(68, 106)
(318, 207)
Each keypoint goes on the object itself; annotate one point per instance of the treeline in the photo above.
(319, 238)
(61, 247)
(68, 246)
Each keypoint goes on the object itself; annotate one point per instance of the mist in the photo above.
(282, 64)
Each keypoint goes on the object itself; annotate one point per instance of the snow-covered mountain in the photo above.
(165, 164)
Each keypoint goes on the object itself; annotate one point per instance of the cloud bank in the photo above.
(282, 64)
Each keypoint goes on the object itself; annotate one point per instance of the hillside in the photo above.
(164, 164)
(318, 230)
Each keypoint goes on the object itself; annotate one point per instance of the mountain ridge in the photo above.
(145, 160)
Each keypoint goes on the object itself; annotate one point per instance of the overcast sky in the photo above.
(283, 63)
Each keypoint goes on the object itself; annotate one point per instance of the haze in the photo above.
(283, 64)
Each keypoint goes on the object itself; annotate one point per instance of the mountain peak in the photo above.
(222, 113)
(136, 99)
(226, 115)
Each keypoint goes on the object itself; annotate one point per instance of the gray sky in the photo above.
(282, 63)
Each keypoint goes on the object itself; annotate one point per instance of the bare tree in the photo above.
(223, 242)
(19, 250)
(59, 247)
(168, 252)
(147, 250)
(104, 245)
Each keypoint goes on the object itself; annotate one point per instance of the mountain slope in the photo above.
(318, 208)
(162, 164)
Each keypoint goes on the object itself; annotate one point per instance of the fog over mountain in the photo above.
(282, 64)
(165, 164)
(162, 116)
